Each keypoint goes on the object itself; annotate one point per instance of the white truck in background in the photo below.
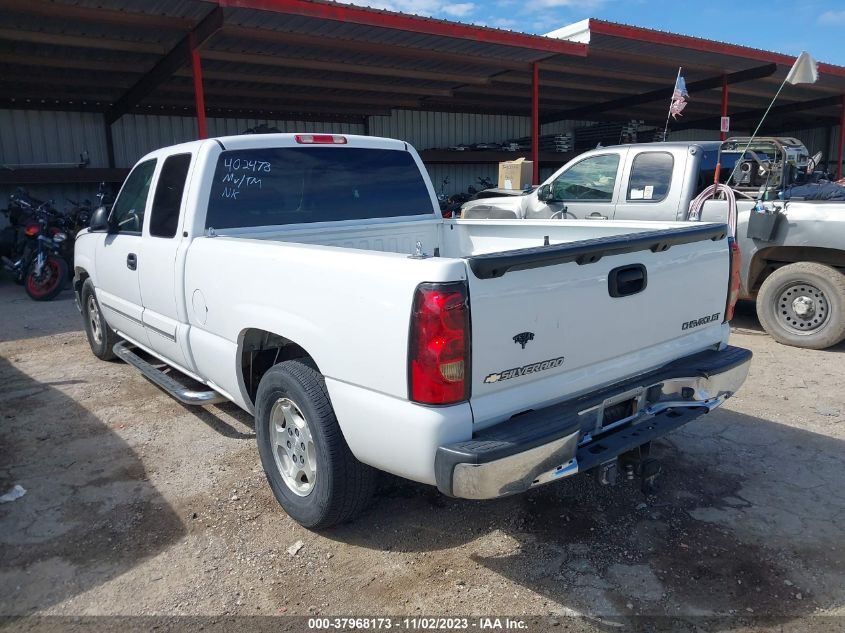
(795, 272)
(311, 280)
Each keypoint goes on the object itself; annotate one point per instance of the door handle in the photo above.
(595, 215)
(132, 261)
(627, 280)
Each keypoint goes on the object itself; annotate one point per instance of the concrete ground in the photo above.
(137, 505)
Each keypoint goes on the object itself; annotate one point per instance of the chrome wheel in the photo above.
(95, 320)
(293, 446)
(802, 308)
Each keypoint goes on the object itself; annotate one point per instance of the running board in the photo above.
(183, 394)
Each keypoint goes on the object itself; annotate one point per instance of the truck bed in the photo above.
(455, 238)
(545, 278)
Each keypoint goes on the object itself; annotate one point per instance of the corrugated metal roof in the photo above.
(321, 28)
(366, 56)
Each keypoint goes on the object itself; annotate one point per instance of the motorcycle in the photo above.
(36, 259)
(452, 206)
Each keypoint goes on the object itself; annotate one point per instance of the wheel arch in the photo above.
(259, 349)
(767, 260)
(80, 274)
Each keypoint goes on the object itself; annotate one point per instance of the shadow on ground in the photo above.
(747, 520)
(22, 318)
(89, 513)
(745, 319)
(226, 419)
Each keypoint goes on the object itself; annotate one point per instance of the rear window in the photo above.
(707, 169)
(651, 177)
(292, 185)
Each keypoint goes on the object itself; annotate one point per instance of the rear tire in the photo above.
(295, 424)
(803, 305)
(100, 336)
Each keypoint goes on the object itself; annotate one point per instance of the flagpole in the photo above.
(757, 129)
(803, 64)
(671, 100)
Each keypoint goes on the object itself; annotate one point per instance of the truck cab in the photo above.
(648, 181)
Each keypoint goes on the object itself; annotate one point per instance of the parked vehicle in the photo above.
(36, 257)
(795, 273)
(451, 206)
(79, 215)
(310, 279)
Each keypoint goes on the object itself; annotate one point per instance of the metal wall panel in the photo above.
(427, 130)
(43, 136)
(30, 136)
(560, 127)
(430, 130)
(138, 134)
(816, 139)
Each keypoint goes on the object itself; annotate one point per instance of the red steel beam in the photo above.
(199, 94)
(413, 24)
(724, 135)
(177, 58)
(841, 139)
(535, 123)
(630, 101)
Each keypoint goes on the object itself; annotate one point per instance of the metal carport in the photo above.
(310, 59)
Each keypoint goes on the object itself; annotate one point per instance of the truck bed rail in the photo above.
(492, 265)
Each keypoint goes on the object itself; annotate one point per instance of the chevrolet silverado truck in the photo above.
(795, 270)
(311, 280)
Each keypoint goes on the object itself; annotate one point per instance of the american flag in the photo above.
(679, 98)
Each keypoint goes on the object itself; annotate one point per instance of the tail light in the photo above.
(733, 287)
(320, 139)
(438, 351)
(32, 230)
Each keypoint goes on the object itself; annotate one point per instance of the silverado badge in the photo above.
(516, 372)
(523, 337)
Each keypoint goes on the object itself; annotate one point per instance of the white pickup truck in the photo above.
(311, 280)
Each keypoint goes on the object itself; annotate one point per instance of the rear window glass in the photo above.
(292, 185)
(707, 169)
(651, 177)
(168, 199)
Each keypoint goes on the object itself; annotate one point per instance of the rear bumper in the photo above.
(574, 436)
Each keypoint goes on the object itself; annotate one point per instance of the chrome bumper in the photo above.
(515, 456)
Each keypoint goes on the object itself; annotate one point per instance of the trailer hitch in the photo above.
(639, 463)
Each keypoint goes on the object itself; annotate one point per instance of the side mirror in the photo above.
(100, 219)
(544, 194)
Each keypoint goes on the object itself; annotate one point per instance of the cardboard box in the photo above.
(515, 174)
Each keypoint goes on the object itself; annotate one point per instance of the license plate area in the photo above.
(616, 410)
(620, 410)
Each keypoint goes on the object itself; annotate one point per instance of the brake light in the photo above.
(32, 230)
(320, 139)
(438, 350)
(734, 281)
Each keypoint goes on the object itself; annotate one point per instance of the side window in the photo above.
(128, 210)
(651, 177)
(591, 179)
(164, 216)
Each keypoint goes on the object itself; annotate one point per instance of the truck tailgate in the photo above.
(550, 322)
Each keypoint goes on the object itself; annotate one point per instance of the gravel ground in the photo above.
(137, 505)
